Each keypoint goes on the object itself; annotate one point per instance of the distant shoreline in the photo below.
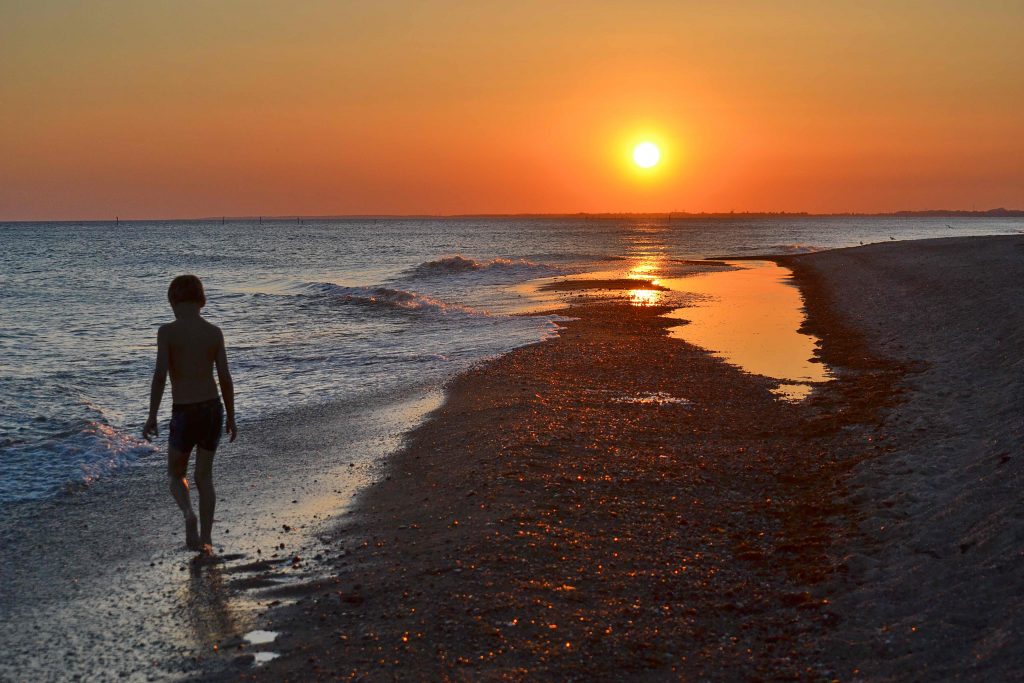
(674, 215)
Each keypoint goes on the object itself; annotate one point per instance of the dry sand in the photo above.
(935, 589)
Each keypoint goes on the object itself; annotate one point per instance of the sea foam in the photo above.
(390, 298)
(458, 264)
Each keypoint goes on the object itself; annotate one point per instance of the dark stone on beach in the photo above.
(244, 660)
(286, 527)
(351, 598)
(233, 642)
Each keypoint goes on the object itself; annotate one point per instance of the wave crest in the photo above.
(386, 297)
(458, 264)
(109, 449)
(68, 458)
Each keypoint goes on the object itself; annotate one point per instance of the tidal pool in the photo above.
(260, 637)
(750, 316)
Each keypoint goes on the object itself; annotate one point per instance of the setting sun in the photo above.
(646, 155)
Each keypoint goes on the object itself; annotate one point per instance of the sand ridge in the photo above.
(936, 583)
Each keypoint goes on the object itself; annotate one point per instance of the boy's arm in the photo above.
(227, 389)
(156, 391)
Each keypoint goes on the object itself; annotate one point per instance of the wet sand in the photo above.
(615, 284)
(545, 524)
(97, 584)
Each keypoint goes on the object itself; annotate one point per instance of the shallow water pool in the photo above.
(751, 316)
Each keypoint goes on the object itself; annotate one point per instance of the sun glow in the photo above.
(646, 155)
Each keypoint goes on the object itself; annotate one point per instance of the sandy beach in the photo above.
(611, 503)
(616, 504)
(934, 586)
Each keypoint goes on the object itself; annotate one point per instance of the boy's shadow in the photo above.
(208, 603)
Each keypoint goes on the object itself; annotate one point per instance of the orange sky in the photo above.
(183, 109)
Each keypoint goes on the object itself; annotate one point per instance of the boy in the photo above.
(189, 348)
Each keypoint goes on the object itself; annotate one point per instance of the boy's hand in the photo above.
(149, 430)
(231, 430)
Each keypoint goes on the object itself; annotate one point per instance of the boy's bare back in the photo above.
(193, 347)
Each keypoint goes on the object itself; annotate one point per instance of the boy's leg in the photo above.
(207, 496)
(177, 470)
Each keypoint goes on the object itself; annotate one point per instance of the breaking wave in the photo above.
(386, 297)
(458, 264)
(72, 457)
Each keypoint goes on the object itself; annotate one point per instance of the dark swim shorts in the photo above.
(195, 424)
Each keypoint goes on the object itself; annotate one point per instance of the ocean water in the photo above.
(312, 311)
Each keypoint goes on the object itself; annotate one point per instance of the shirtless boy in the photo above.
(189, 348)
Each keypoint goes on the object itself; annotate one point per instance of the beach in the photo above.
(537, 526)
(610, 502)
(615, 503)
(934, 586)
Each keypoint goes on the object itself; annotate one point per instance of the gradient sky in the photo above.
(186, 109)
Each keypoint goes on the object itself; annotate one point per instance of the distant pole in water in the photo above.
(222, 220)
(117, 220)
(261, 220)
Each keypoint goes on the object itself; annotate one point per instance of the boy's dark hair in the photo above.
(186, 288)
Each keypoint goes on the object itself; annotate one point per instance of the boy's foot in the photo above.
(192, 533)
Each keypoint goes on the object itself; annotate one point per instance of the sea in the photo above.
(313, 311)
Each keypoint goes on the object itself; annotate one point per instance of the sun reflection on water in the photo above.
(644, 297)
(751, 317)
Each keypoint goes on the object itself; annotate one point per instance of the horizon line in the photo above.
(906, 213)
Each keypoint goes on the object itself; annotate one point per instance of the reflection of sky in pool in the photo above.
(750, 317)
(746, 312)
